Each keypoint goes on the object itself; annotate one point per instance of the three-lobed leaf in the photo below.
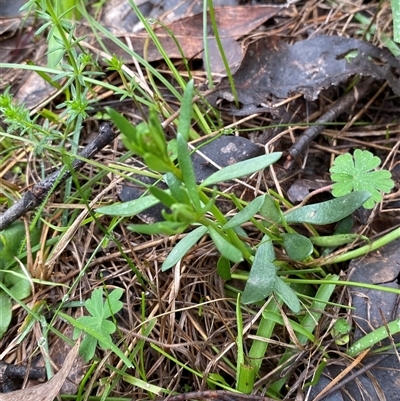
(100, 310)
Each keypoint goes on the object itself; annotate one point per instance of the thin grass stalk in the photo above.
(222, 53)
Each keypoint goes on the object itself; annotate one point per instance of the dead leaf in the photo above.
(271, 67)
(46, 391)
(232, 22)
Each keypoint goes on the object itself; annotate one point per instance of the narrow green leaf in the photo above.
(185, 115)
(328, 212)
(17, 282)
(186, 166)
(336, 240)
(246, 379)
(130, 208)
(297, 246)
(262, 275)
(245, 214)
(241, 169)
(314, 313)
(374, 337)
(122, 123)
(224, 268)
(297, 327)
(183, 247)
(10, 243)
(155, 163)
(224, 247)
(161, 227)
(5, 312)
(396, 20)
(269, 210)
(176, 188)
(287, 295)
(164, 197)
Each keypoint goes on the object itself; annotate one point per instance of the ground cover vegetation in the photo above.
(230, 285)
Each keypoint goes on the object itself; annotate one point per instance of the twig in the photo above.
(35, 196)
(344, 103)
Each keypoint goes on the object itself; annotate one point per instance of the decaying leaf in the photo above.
(232, 22)
(46, 391)
(271, 67)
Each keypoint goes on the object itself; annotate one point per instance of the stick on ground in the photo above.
(35, 196)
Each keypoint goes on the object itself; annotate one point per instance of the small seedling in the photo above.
(98, 321)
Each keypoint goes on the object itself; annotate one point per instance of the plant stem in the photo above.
(356, 253)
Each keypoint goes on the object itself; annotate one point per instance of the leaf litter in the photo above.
(272, 69)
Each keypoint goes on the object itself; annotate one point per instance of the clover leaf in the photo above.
(356, 173)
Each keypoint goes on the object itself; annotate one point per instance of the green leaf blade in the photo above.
(261, 281)
(183, 247)
(5, 313)
(130, 208)
(241, 169)
(328, 212)
(287, 295)
(188, 175)
(245, 214)
(225, 248)
(185, 115)
(297, 246)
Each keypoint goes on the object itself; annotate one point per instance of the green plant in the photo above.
(193, 205)
(353, 173)
(15, 283)
(396, 20)
(101, 310)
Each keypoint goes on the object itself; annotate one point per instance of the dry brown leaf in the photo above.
(46, 391)
(232, 22)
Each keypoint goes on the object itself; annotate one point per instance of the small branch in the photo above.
(35, 196)
(343, 104)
